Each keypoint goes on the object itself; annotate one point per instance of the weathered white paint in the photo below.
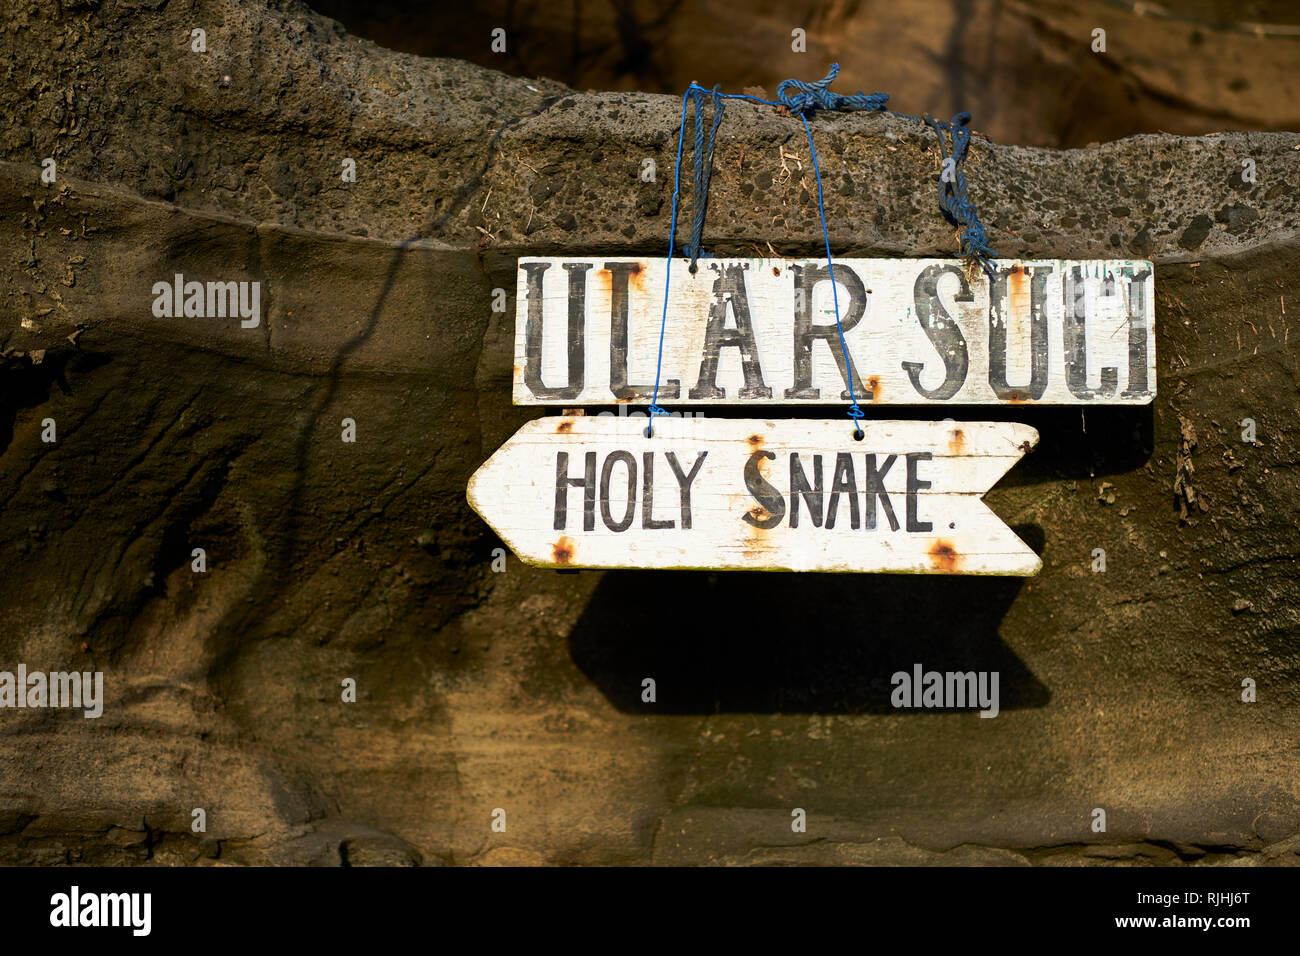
(1104, 320)
(515, 492)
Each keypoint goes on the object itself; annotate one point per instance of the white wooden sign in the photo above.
(790, 495)
(762, 332)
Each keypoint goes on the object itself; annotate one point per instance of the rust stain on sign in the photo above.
(756, 541)
(636, 273)
(956, 441)
(563, 551)
(1018, 280)
(943, 556)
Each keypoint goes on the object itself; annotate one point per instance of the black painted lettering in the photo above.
(587, 482)
(1138, 384)
(684, 482)
(630, 463)
(648, 520)
(729, 287)
(1000, 319)
(844, 481)
(876, 489)
(772, 500)
(577, 325)
(812, 494)
(914, 485)
(1076, 343)
(619, 273)
(941, 330)
(806, 332)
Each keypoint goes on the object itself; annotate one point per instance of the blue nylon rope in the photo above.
(855, 412)
(953, 199)
(654, 408)
(956, 205)
(817, 96)
(703, 167)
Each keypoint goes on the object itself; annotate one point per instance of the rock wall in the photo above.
(1026, 69)
(520, 690)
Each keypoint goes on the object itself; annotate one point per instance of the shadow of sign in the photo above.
(750, 642)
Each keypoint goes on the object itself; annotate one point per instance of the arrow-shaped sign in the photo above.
(791, 495)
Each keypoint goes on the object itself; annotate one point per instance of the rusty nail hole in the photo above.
(858, 435)
(692, 269)
(562, 552)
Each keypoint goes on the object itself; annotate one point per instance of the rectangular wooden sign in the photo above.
(789, 495)
(762, 332)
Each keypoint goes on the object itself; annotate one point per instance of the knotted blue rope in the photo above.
(817, 96)
(703, 166)
(855, 412)
(654, 408)
(956, 205)
(953, 199)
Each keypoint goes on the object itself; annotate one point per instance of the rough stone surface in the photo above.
(520, 690)
(1026, 69)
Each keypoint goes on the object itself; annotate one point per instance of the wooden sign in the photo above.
(791, 495)
(762, 332)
